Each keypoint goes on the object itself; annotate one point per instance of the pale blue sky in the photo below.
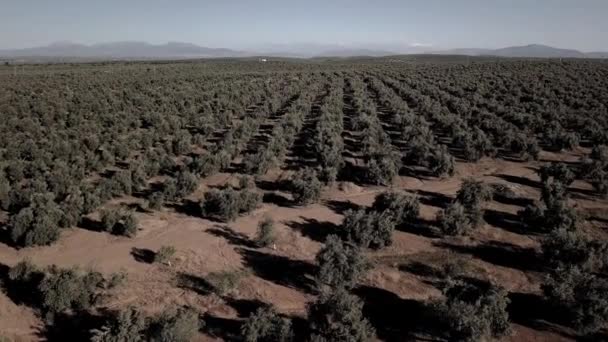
(580, 24)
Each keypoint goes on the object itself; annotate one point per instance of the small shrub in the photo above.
(155, 200)
(337, 316)
(441, 162)
(37, 224)
(227, 204)
(265, 234)
(475, 312)
(403, 207)
(558, 172)
(473, 193)
(340, 264)
(126, 326)
(164, 254)
(454, 220)
(119, 223)
(471, 196)
(128, 225)
(224, 282)
(116, 279)
(581, 295)
(369, 229)
(382, 168)
(265, 325)
(109, 219)
(306, 187)
(175, 326)
(170, 189)
(186, 184)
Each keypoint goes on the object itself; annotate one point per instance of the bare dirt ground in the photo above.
(497, 251)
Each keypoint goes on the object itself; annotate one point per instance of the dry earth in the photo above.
(496, 252)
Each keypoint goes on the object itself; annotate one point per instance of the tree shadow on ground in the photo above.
(234, 238)
(519, 180)
(585, 194)
(71, 327)
(314, 229)
(245, 307)
(340, 207)
(511, 200)
(434, 199)
(501, 254)
(422, 227)
(281, 270)
(194, 283)
(188, 207)
(507, 221)
(536, 312)
(397, 319)
(25, 292)
(227, 329)
(143, 255)
(278, 185)
(417, 172)
(5, 237)
(277, 199)
(353, 173)
(431, 275)
(90, 224)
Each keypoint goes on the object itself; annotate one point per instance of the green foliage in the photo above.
(404, 207)
(265, 234)
(471, 196)
(337, 316)
(563, 247)
(340, 264)
(382, 168)
(179, 325)
(128, 226)
(130, 325)
(72, 208)
(63, 289)
(473, 193)
(164, 254)
(454, 220)
(369, 229)
(5, 190)
(475, 144)
(558, 172)
(126, 326)
(37, 224)
(475, 312)
(155, 200)
(306, 187)
(581, 294)
(441, 162)
(55, 290)
(119, 222)
(553, 213)
(227, 204)
(595, 169)
(224, 282)
(186, 184)
(265, 325)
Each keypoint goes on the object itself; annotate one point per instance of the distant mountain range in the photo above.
(527, 51)
(175, 50)
(122, 50)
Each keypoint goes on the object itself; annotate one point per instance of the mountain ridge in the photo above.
(525, 51)
(174, 49)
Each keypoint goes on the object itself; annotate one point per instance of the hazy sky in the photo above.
(580, 24)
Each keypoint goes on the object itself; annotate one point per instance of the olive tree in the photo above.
(340, 264)
(337, 316)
